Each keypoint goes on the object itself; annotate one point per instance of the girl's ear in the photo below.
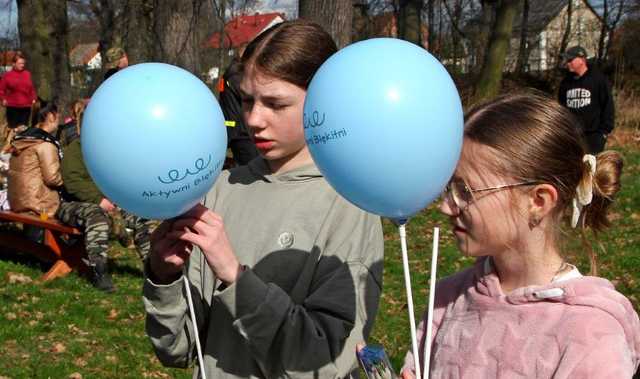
(543, 199)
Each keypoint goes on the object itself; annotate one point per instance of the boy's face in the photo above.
(272, 109)
(576, 65)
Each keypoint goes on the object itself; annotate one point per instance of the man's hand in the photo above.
(107, 205)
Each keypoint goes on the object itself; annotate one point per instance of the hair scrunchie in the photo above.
(584, 190)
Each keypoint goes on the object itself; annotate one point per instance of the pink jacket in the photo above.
(575, 328)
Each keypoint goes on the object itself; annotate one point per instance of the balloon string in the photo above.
(407, 283)
(195, 325)
(432, 295)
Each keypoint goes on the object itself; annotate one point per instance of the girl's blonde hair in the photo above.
(539, 140)
(77, 109)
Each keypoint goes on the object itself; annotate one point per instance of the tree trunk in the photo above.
(138, 30)
(603, 29)
(455, 36)
(105, 13)
(361, 24)
(42, 26)
(335, 16)
(488, 84)
(409, 21)
(221, 8)
(440, 27)
(567, 30)
(486, 25)
(523, 50)
(613, 28)
(431, 30)
(175, 26)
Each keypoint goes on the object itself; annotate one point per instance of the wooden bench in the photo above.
(65, 257)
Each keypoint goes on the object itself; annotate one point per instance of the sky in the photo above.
(8, 18)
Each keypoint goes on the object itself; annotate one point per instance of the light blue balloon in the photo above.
(384, 123)
(153, 139)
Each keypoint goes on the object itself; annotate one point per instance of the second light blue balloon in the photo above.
(384, 123)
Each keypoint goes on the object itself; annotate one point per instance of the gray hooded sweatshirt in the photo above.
(309, 292)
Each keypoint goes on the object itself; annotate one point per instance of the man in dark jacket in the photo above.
(586, 93)
(115, 60)
(238, 138)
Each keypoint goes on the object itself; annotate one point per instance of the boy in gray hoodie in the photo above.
(285, 274)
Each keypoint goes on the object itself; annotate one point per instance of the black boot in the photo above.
(101, 278)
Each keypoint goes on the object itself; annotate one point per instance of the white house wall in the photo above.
(544, 47)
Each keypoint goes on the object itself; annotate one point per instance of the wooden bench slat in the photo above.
(52, 224)
(65, 256)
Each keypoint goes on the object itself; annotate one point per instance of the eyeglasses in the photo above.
(462, 196)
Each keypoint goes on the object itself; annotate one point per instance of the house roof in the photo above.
(242, 29)
(82, 54)
(541, 13)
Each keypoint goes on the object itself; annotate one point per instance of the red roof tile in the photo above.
(82, 54)
(242, 29)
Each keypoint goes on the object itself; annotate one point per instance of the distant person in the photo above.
(115, 60)
(587, 94)
(70, 130)
(240, 143)
(85, 207)
(34, 168)
(17, 93)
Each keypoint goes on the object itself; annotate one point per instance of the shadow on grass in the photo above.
(120, 268)
(25, 259)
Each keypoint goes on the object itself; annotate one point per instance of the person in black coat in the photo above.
(587, 94)
(238, 138)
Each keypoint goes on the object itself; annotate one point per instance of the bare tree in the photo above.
(410, 21)
(431, 31)
(523, 49)
(567, 30)
(487, 20)
(137, 30)
(42, 27)
(106, 12)
(336, 16)
(177, 35)
(610, 19)
(456, 20)
(490, 78)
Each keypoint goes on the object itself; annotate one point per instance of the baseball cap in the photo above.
(112, 57)
(574, 52)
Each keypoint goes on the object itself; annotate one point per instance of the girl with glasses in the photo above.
(523, 311)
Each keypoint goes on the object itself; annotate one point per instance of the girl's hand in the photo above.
(201, 227)
(168, 254)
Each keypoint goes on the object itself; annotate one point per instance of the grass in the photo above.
(66, 329)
